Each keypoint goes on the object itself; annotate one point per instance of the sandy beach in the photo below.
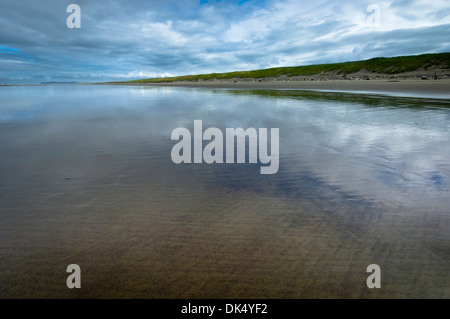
(409, 87)
(90, 181)
(225, 158)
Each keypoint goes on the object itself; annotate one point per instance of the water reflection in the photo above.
(387, 149)
(361, 178)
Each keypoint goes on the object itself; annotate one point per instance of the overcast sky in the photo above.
(133, 39)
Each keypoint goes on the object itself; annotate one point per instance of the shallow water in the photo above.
(86, 177)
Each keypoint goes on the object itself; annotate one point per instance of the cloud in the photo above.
(135, 39)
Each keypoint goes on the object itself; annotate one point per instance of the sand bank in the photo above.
(416, 88)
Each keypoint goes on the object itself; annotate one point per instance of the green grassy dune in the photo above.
(393, 65)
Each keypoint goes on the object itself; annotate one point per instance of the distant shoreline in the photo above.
(425, 75)
(439, 89)
(425, 88)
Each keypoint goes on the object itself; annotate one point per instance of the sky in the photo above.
(125, 40)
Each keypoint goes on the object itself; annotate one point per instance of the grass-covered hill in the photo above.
(393, 65)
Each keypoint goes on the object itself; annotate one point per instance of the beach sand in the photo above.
(404, 87)
(140, 226)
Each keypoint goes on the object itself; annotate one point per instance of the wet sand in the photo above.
(425, 88)
(139, 239)
(97, 188)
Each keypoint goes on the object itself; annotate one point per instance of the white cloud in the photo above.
(162, 32)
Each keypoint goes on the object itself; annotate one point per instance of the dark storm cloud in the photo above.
(141, 38)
